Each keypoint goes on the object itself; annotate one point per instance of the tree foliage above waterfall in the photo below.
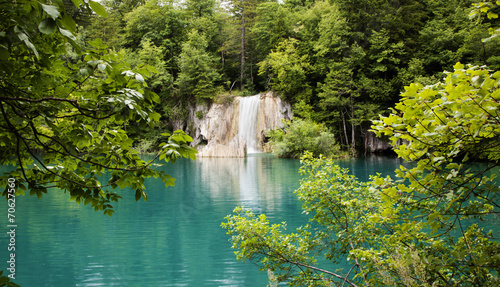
(344, 61)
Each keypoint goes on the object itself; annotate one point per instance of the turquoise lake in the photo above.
(174, 239)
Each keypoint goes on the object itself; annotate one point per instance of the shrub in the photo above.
(301, 135)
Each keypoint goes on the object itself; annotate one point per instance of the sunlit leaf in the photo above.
(67, 34)
(98, 8)
(53, 11)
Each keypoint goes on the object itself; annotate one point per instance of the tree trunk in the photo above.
(353, 131)
(345, 130)
(251, 69)
(242, 67)
(364, 135)
(222, 58)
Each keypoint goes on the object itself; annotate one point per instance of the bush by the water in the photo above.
(302, 135)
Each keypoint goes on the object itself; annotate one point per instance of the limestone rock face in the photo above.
(236, 147)
(215, 128)
(374, 144)
(220, 124)
(271, 111)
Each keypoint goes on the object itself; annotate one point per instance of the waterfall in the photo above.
(247, 123)
(237, 128)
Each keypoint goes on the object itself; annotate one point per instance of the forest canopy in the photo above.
(340, 63)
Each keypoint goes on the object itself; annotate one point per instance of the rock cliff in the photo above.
(215, 128)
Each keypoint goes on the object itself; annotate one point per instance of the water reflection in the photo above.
(174, 239)
(371, 165)
(249, 185)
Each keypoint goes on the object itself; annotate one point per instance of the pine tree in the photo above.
(198, 76)
(243, 13)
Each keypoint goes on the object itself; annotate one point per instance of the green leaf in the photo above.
(53, 11)
(170, 182)
(97, 43)
(151, 69)
(77, 2)
(144, 195)
(67, 34)
(27, 7)
(155, 117)
(458, 66)
(67, 22)
(98, 8)
(87, 200)
(109, 212)
(23, 37)
(139, 78)
(47, 26)
(492, 15)
(4, 53)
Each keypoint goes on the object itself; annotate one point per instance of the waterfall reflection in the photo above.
(233, 179)
(249, 184)
(258, 182)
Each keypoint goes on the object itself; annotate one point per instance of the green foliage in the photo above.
(340, 88)
(146, 21)
(6, 282)
(339, 205)
(435, 225)
(161, 79)
(199, 115)
(63, 123)
(490, 10)
(288, 71)
(109, 29)
(299, 136)
(200, 8)
(197, 76)
(159, 23)
(273, 24)
(449, 126)
(149, 141)
(456, 117)
(345, 61)
(285, 254)
(327, 31)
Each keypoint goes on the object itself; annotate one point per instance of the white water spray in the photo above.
(247, 123)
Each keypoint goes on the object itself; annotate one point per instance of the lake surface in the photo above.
(174, 239)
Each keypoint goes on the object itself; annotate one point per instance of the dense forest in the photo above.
(340, 63)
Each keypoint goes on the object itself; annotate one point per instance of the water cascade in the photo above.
(237, 127)
(247, 122)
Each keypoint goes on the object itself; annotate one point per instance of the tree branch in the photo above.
(19, 99)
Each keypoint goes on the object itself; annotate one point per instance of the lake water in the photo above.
(174, 239)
